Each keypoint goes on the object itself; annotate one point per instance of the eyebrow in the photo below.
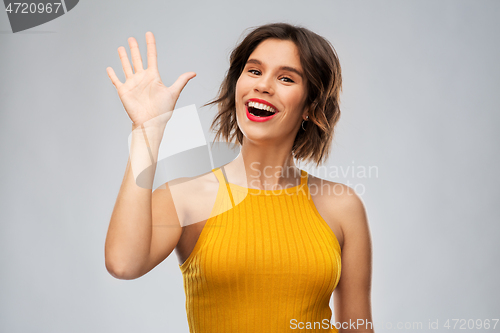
(285, 68)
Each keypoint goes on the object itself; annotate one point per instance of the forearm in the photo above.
(128, 240)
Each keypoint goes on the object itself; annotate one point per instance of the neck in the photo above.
(266, 167)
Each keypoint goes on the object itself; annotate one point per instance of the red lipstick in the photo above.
(263, 102)
(258, 119)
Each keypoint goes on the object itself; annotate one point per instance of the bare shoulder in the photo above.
(192, 188)
(192, 197)
(340, 206)
(196, 184)
(202, 182)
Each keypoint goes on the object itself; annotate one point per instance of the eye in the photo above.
(254, 70)
(288, 79)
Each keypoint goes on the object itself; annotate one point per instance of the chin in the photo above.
(255, 131)
(256, 135)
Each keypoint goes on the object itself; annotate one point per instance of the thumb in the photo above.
(181, 82)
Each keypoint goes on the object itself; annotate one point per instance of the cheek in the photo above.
(242, 89)
(296, 100)
(239, 95)
(241, 84)
(239, 90)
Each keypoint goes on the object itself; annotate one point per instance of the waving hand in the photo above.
(144, 96)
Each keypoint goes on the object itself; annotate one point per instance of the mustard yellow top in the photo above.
(265, 261)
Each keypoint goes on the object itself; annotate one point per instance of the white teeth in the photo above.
(261, 106)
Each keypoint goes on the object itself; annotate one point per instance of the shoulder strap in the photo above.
(221, 177)
(303, 183)
(303, 177)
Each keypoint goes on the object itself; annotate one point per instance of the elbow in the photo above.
(120, 271)
(119, 274)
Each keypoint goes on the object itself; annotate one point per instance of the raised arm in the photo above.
(143, 228)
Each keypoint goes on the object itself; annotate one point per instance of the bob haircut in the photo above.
(324, 84)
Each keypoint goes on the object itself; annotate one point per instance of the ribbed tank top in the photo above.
(265, 261)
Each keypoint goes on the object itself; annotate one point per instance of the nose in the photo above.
(264, 85)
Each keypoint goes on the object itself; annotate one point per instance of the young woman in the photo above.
(261, 244)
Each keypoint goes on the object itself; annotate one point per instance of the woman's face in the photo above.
(271, 92)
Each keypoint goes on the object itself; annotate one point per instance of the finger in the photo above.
(127, 69)
(151, 47)
(114, 79)
(182, 81)
(136, 54)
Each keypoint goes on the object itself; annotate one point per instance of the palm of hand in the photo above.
(143, 95)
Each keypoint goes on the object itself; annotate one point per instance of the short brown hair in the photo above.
(324, 84)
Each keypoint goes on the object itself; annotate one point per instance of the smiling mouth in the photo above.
(260, 110)
(259, 113)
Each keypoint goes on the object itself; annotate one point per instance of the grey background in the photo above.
(420, 102)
